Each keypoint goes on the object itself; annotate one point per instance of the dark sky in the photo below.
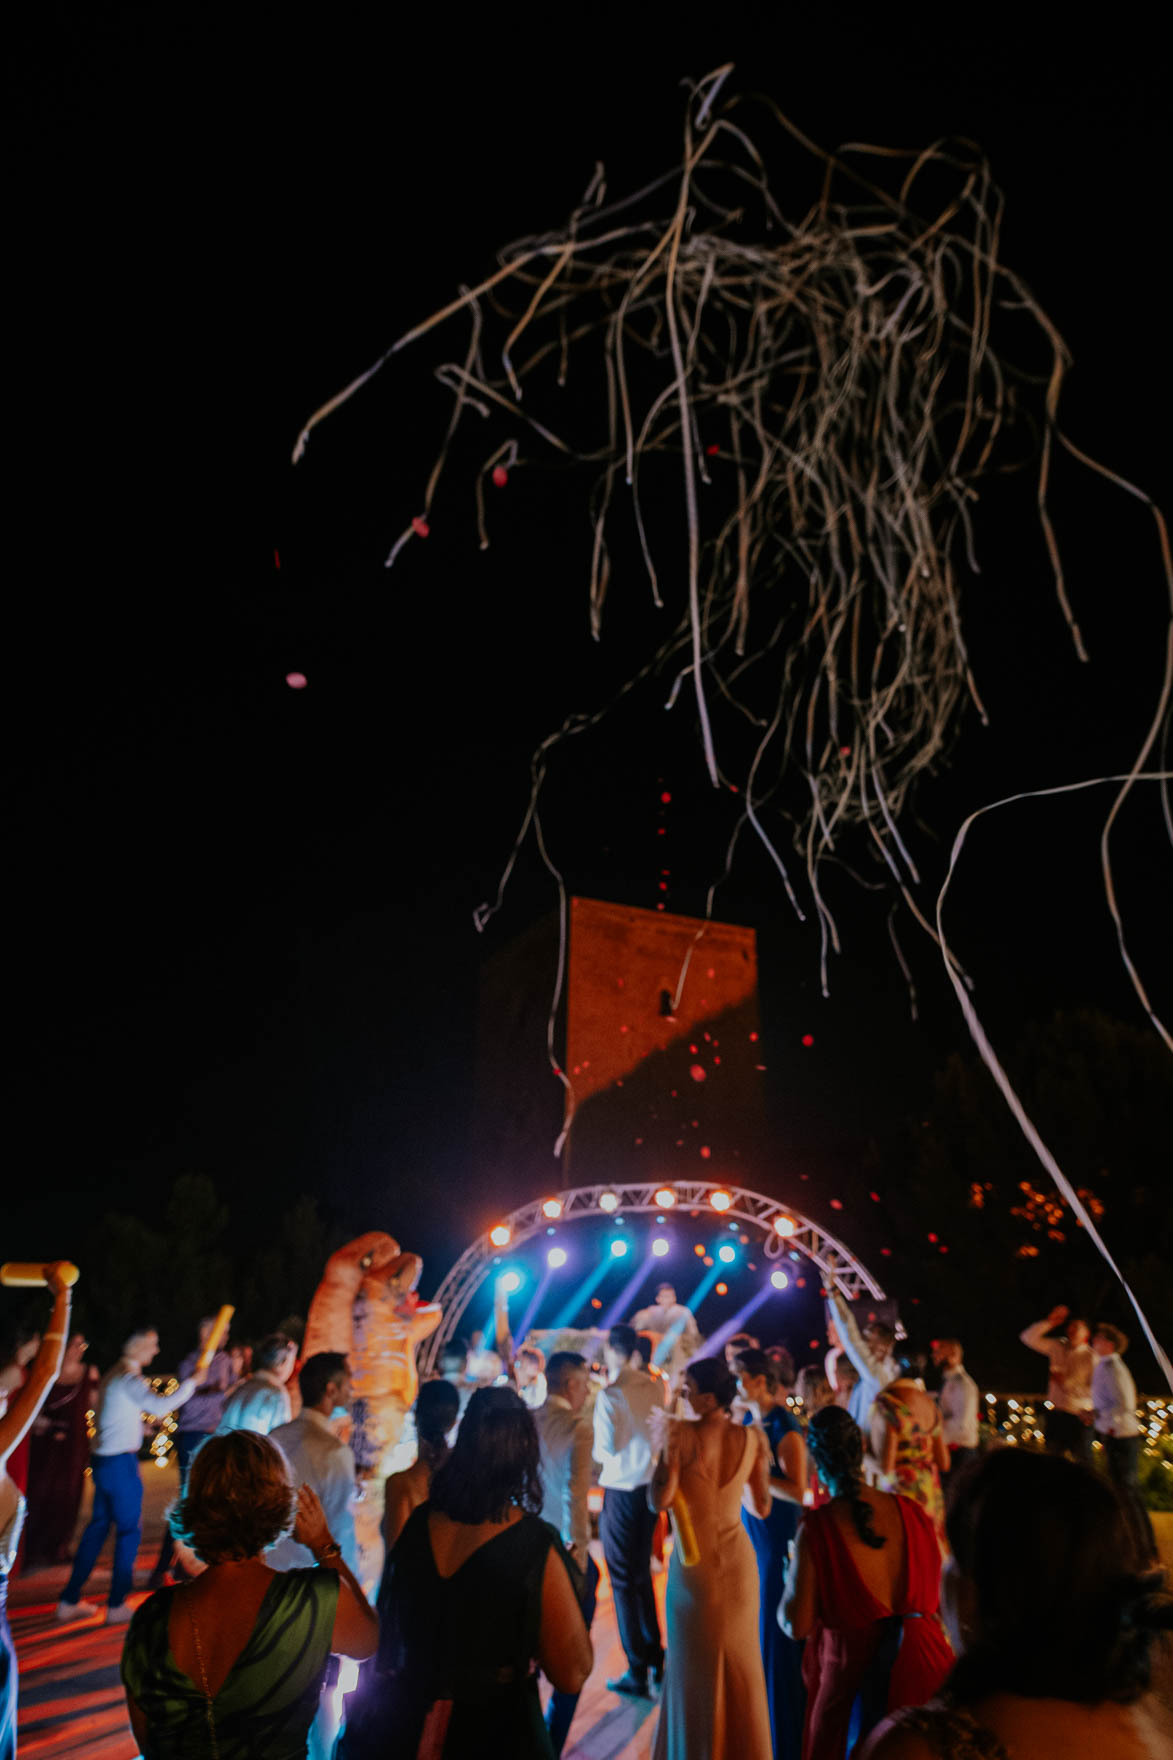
(239, 922)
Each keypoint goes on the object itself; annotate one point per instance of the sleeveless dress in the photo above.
(9, 1547)
(859, 1649)
(714, 1704)
(456, 1671)
(781, 1656)
(265, 1708)
(915, 1473)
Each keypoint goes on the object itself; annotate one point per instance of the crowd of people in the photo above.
(849, 1569)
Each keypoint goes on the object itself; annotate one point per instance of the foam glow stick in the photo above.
(19, 1274)
(215, 1338)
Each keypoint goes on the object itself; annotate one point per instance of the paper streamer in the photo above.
(990, 1057)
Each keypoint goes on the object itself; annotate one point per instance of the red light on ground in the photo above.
(808, 1039)
(296, 681)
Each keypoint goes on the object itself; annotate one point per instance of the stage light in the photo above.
(618, 1249)
(665, 1197)
(722, 1289)
(556, 1258)
(608, 1202)
(779, 1280)
(699, 1250)
(785, 1226)
(552, 1208)
(501, 1235)
(720, 1200)
(511, 1282)
(726, 1254)
(659, 1246)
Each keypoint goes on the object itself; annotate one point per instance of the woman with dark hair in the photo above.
(908, 1441)
(1054, 1622)
(437, 1407)
(758, 1379)
(863, 1591)
(714, 1700)
(476, 1596)
(231, 1664)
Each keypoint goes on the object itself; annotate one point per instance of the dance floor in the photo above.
(72, 1708)
(71, 1701)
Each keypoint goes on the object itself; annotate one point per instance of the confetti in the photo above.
(420, 526)
(296, 681)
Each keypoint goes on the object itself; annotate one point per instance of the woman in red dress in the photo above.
(863, 1591)
(58, 1456)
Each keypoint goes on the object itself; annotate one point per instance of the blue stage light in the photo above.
(727, 1255)
(511, 1282)
(618, 1248)
(660, 1246)
(556, 1258)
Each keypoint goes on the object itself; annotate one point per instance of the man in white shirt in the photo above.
(529, 1371)
(124, 1397)
(870, 1348)
(565, 1435)
(674, 1326)
(958, 1400)
(623, 1448)
(1069, 1384)
(261, 1403)
(1120, 1433)
(319, 1458)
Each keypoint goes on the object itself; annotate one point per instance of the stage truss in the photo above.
(836, 1264)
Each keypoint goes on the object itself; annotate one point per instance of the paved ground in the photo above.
(72, 1708)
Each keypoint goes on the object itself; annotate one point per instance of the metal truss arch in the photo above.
(835, 1262)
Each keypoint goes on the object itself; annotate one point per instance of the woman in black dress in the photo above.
(477, 1597)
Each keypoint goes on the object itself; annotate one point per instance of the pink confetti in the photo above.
(808, 1039)
(705, 1152)
(886, 1252)
(836, 1203)
(500, 476)
(420, 526)
(697, 1072)
(296, 681)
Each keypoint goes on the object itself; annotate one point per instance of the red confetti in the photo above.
(808, 1039)
(665, 798)
(874, 1196)
(663, 886)
(500, 476)
(836, 1203)
(705, 1151)
(420, 526)
(886, 1252)
(697, 1072)
(933, 1238)
(661, 832)
(716, 1060)
(845, 751)
(296, 681)
(623, 1029)
(713, 450)
(814, 1345)
(659, 904)
(943, 1249)
(753, 1038)
(276, 559)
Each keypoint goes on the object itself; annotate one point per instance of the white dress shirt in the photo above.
(875, 1373)
(322, 1461)
(959, 1408)
(533, 1394)
(623, 1442)
(566, 1440)
(1114, 1397)
(1069, 1385)
(260, 1403)
(124, 1395)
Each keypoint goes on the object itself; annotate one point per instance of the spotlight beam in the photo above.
(528, 1318)
(618, 1307)
(583, 1293)
(736, 1322)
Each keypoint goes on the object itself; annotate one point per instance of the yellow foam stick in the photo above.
(19, 1274)
(215, 1338)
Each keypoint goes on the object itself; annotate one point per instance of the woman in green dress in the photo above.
(230, 1665)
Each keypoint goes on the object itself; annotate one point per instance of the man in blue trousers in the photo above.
(124, 1395)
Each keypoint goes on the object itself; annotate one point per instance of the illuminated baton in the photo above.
(17, 1274)
(215, 1338)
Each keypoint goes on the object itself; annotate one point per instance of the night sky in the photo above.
(239, 929)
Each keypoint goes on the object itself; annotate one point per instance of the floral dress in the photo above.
(915, 1473)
